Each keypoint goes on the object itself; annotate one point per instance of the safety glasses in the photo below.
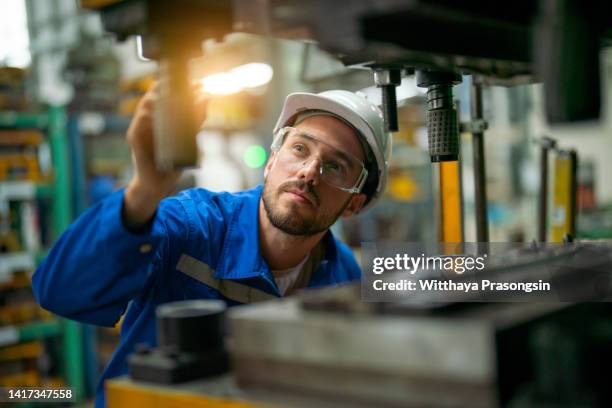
(296, 149)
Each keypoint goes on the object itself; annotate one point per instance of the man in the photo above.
(136, 249)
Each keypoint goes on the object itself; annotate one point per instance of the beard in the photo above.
(289, 220)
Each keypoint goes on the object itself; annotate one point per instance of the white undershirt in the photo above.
(286, 278)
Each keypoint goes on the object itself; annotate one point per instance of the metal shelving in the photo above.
(15, 261)
(21, 190)
(53, 123)
(10, 335)
(24, 120)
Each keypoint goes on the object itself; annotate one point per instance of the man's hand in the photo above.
(149, 185)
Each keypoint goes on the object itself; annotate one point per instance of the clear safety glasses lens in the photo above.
(337, 168)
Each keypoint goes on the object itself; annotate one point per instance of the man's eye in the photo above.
(298, 148)
(335, 167)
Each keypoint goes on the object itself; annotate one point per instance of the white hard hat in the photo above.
(361, 114)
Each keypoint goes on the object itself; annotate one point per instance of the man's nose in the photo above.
(310, 171)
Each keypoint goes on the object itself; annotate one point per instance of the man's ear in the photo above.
(269, 164)
(355, 205)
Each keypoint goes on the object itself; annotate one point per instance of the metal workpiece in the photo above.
(546, 144)
(441, 115)
(421, 350)
(330, 344)
(172, 35)
(175, 120)
(387, 79)
(378, 360)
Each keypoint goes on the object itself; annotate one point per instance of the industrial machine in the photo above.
(191, 344)
(329, 348)
(332, 347)
(550, 41)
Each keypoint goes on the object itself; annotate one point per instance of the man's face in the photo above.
(296, 199)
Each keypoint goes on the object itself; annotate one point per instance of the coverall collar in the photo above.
(241, 257)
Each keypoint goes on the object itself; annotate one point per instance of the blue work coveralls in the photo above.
(200, 245)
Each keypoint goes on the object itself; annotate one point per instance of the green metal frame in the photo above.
(54, 123)
(39, 330)
(62, 216)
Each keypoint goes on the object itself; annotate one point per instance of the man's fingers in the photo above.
(152, 95)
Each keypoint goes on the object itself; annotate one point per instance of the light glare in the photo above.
(253, 75)
(246, 76)
(223, 83)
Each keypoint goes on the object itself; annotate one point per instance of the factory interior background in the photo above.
(67, 94)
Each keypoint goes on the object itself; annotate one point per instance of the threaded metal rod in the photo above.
(389, 108)
(480, 187)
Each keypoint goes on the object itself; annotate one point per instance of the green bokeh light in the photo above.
(255, 156)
